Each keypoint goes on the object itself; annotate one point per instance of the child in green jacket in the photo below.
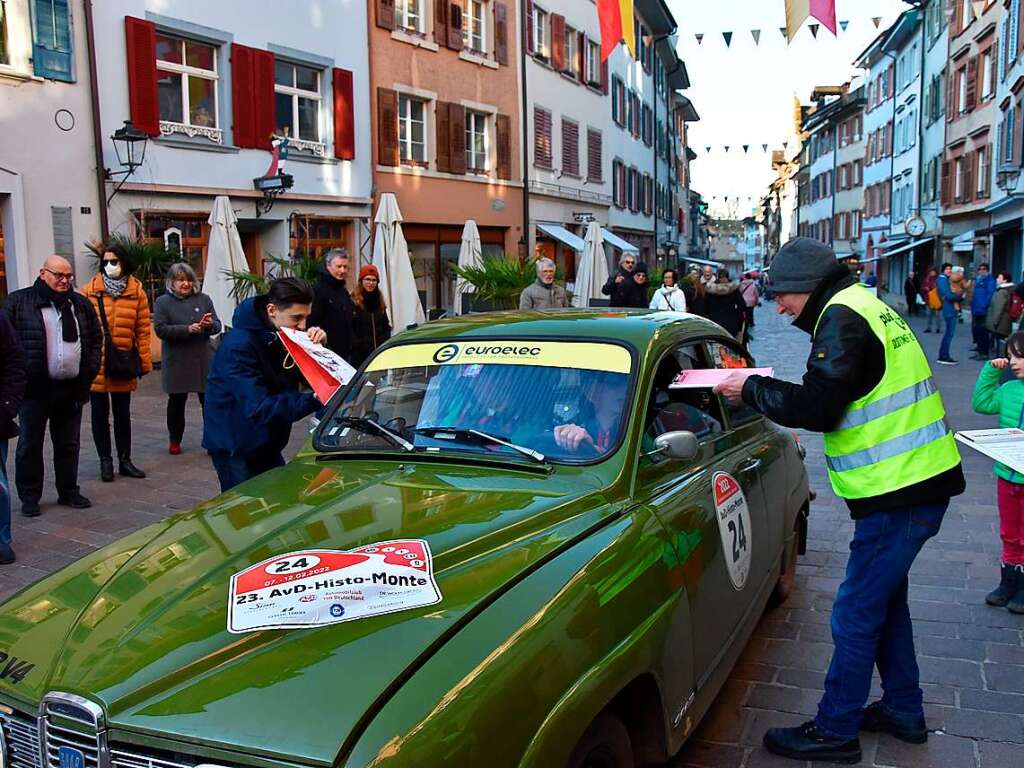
(1008, 401)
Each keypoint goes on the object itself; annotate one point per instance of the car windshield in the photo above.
(558, 401)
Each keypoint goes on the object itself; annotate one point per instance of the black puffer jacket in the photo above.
(24, 309)
(626, 293)
(846, 362)
(332, 311)
(12, 378)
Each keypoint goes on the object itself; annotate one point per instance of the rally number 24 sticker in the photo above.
(734, 526)
(314, 588)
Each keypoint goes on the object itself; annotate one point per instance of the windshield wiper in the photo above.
(366, 424)
(463, 432)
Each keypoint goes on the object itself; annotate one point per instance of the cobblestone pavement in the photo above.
(971, 656)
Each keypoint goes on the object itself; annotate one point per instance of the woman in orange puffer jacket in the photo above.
(128, 326)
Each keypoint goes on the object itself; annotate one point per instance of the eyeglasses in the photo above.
(60, 277)
(629, 261)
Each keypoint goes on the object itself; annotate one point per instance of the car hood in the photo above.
(140, 626)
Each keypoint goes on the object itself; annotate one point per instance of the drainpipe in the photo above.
(835, 173)
(97, 135)
(525, 118)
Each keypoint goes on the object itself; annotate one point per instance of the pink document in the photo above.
(709, 378)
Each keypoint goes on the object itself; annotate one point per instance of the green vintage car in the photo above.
(515, 539)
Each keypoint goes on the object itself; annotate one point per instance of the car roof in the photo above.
(636, 327)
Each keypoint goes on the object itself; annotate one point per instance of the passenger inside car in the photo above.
(602, 415)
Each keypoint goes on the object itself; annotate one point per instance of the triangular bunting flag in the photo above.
(746, 147)
(785, 146)
(757, 35)
(764, 147)
(783, 31)
(700, 38)
(708, 149)
(876, 20)
(728, 38)
(814, 30)
(979, 7)
(843, 25)
(726, 147)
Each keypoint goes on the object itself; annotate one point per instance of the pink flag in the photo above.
(825, 12)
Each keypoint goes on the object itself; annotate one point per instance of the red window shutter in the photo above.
(263, 85)
(387, 127)
(500, 32)
(541, 138)
(386, 14)
(144, 107)
(457, 137)
(455, 41)
(557, 42)
(344, 116)
(243, 104)
(951, 106)
(441, 22)
(443, 130)
(529, 26)
(593, 155)
(604, 76)
(570, 148)
(503, 143)
(972, 83)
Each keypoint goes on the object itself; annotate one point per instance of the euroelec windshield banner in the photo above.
(611, 358)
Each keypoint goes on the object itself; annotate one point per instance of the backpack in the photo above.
(1016, 306)
(934, 299)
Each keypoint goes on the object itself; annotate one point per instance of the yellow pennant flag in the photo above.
(628, 28)
(797, 12)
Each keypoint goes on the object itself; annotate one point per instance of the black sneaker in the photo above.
(6, 554)
(75, 500)
(30, 508)
(808, 742)
(946, 361)
(911, 730)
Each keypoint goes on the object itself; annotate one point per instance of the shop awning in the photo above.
(964, 243)
(706, 262)
(906, 247)
(562, 235)
(618, 242)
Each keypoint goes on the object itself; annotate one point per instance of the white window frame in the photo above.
(5, 35)
(478, 123)
(476, 26)
(541, 35)
(987, 86)
(593, 74)
(961, 91)
(958, 181)
(297, 93)
(983, 163)
(409, 16)
(572, 50)
(967, 14)
(187, 72)
(405, 117)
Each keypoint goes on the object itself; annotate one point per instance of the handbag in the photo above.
(120, 364)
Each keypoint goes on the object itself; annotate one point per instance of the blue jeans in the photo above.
(5, 497)
(234, 470)
(871, 620)
(947, 337)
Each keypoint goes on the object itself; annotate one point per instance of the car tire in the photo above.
(787, 576)
(605, 744)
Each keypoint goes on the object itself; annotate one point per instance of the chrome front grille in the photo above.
(21, 734)
(120, 758)
(58, 736)
(71, 722)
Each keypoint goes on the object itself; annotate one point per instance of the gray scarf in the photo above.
(114, 287)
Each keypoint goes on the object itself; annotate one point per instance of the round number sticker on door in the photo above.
(734, 526)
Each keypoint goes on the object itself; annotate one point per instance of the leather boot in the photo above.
(1007, 588)
(106, 469)
(1016, 604)
(127, 469)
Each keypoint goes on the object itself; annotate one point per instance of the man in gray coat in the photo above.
(544, 294)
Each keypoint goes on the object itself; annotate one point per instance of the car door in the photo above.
(715, 560)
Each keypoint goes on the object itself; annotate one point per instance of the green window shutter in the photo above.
(51, 40)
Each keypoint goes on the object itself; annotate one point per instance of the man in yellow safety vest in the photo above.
(892, 458)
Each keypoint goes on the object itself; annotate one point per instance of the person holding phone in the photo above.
(185, 320)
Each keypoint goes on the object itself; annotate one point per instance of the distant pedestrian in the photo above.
(950, 312)
(723, 305)
(252, 396)
(60, 335)
(332, 305)
(1007, 400)
(370, 326)
(185, 320)
(12, 389)
(708, 276)
(622, 289)
(999, 321)
(693, 287)
(984, 290)
(669, 296)
(751, 299)
(123, 310)
(544, 292)
(912, 293)
(932, 307)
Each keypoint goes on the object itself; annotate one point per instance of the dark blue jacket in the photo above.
(252, 400)
(984, 290)
(949, 299)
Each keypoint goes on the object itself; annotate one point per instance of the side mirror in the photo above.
(680, 445)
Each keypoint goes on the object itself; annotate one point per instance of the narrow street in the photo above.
(972, 656)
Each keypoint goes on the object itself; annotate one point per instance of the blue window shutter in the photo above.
(51, 40)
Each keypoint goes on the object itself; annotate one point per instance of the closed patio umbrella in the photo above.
(592, 271)
(224, 255)
(391, 257)
(470, 255)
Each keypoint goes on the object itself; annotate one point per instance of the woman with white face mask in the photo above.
(123, 309)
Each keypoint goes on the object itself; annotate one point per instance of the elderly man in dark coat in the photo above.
(333, 309)
(185, 320)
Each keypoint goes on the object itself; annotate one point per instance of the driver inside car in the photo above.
(607, 400)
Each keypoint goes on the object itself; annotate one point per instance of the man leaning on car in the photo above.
(892, 458)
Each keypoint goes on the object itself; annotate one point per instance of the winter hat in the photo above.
(800, 265)
(368, 269)
(640, 268)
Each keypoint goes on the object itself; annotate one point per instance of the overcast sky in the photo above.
(744, 93)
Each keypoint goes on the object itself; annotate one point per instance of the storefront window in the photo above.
(313, 236)
(192, 232)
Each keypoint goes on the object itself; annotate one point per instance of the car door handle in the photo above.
(750, 466)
